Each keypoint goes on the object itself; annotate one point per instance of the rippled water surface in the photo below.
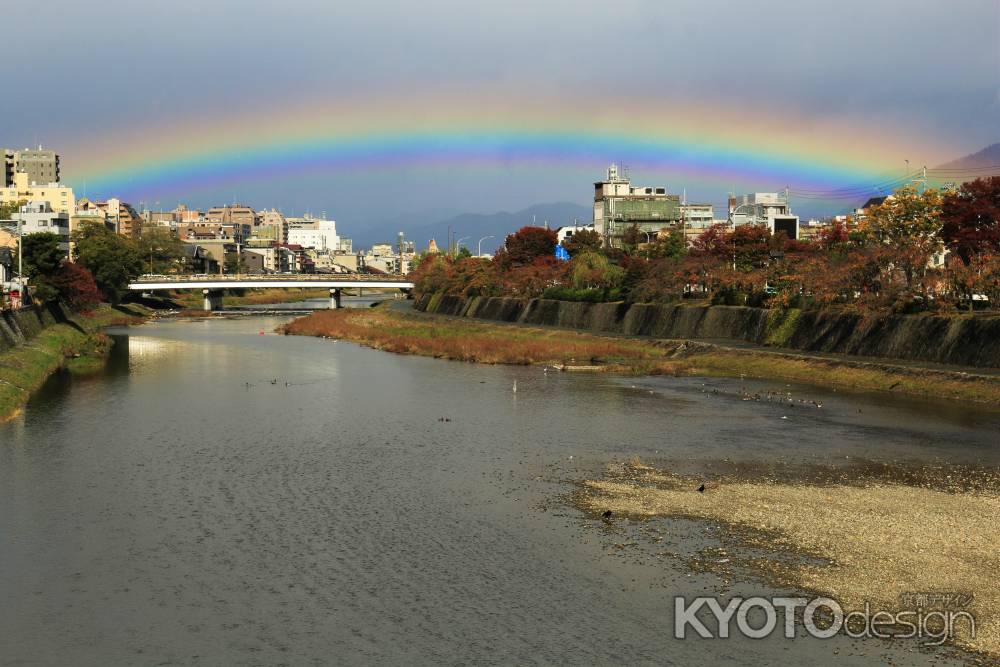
(224, 495)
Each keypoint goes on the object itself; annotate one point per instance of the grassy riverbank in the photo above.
(853, 537)
(77, 345)
(483, 342)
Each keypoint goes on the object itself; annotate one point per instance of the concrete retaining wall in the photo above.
(23, 324)
(961, 339)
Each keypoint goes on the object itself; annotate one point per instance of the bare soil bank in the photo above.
(965, 340)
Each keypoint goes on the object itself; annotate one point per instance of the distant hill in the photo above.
(988, 157)
(474, 225)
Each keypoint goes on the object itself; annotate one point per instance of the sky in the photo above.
(375, 110)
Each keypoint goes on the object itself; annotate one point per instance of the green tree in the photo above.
(673, 245)
(591, 270)
(631, 239)
(586, 240)
(112, 259)
(42, 255)
(161, 251)
(7, 209)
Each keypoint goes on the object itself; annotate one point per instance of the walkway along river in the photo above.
(219, 496)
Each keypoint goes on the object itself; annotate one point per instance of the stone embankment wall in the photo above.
(967, 340)
(23, 324)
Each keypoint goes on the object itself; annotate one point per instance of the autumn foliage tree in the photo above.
(526, 245)
(888, 260)
(970, 218)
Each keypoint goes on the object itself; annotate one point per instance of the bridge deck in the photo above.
(149, 284)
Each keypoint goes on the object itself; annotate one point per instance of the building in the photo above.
(37, 217)
(235, 214)
(273, 259)
(567, 231)
(20, 189)
(206, 231)
(122, 217)
(41, 166)
(619, 205)
(271, 226)
(317, 234)
(699, 216)
(764, 208)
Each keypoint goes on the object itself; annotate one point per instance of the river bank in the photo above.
(77, 344)
(860, 536)
(483, 342)
(960, 338)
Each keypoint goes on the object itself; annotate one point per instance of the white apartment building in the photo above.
(317, 234)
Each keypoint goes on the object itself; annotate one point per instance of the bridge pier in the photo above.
(212, 300)
(335, 298)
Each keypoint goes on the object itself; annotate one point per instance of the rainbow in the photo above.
(710, 143)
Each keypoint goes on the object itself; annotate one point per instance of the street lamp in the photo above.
(479, 248)
(459, 242)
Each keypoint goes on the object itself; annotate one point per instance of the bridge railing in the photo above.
(271, 277)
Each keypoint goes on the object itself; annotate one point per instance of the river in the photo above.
(221, 494)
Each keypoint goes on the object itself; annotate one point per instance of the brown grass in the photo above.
(473, 340)
(880, 540)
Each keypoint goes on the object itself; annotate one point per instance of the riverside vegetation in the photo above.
(76, 344)
(463, 340)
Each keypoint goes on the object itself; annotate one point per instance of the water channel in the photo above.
(222, 494)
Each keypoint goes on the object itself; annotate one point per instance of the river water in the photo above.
(221, 494)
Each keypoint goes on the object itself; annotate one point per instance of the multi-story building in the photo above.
(619, 205)
(318, 234)
(8, 167)
(764, 208)
(21, 189)
(37, 216)
(271, 226)
(233, 232)
(121, 216)
(41, 166)
(235, 214)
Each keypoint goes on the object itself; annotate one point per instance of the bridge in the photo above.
(212, 286)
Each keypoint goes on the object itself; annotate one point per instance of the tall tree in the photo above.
(42, 257)
(585, 240)
(970, 218)
(161, 251)
(906, 226)
(112, 259)
(525, 245)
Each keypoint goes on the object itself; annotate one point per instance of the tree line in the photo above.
(916, 251)
(104, 262)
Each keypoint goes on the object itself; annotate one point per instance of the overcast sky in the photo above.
(77, 69)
